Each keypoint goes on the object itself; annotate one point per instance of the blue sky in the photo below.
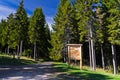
(49, 7)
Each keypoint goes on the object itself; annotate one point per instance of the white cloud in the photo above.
(5, 11)
(50, 21)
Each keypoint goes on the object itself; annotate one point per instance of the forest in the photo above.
(93, 23)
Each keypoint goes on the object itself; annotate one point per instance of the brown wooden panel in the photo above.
(75, 53)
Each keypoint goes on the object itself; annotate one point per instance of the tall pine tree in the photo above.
(85, 18)
(11, 24)
(48, 39)
(61, 25)
(113, 17)
(100, 27)
(37, 32)
(2, 28)
(22, 26)
(4, 36)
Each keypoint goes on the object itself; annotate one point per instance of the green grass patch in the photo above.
(9, 60)
(74, 73)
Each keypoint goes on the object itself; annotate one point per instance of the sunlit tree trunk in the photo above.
(114, 59)
(92, 47)
(90, 56)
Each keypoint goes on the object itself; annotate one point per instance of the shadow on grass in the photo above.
(63, 67)
(6, 60)
(71, 73)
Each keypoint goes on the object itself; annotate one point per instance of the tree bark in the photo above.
(35, 51)
(18, 47)
(20, 50)
(90, 56)
(92, 49)
(102, 54)
(93, 56)
(114, 59)
(21, 43)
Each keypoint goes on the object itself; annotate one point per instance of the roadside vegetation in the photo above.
(74, 73)
(10, 61)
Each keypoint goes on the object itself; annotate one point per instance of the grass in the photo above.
(74, 73)
(9, 60)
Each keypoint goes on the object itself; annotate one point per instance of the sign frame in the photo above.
(72, 48)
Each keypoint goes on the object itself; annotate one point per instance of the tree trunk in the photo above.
(8, 50)
(21, 43)
(93, 55)
(114, 59)
(90, 56)
(92, 49)
(18, 47)
(65, 53)
(35, 51)
(102, 54)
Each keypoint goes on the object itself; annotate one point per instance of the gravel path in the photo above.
(41, 71)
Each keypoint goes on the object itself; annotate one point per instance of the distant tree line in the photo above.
(23, 35)
(93, 23)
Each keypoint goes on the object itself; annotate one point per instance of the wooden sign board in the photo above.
(75, 52)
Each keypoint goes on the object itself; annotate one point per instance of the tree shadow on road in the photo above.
(26, 72)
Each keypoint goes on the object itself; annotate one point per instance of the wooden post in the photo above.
(80, 57)
(68, 55)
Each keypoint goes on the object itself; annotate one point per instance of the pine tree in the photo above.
(12, 33)
(113, 16)
(100, 27)
(55, 50)
(2, 26)
(62, 24)
(82, 17)
(22, 26)
(74, 28)
(85, 18)
(37, 32)
(48, 39)
(47, 32)
(11, 24)
(4, 33)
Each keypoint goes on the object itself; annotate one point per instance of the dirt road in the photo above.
(41, 71)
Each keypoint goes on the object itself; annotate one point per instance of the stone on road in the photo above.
(27, 72)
